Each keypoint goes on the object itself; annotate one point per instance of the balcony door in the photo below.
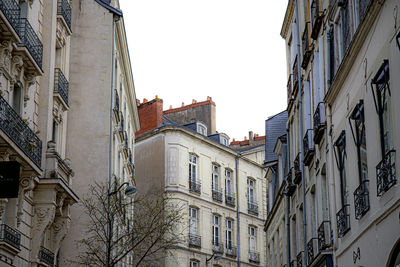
(193, 221)
(252, 239)
(229, 227)
(228, 182)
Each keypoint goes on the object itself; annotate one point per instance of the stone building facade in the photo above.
(342, 57)
(40, 96)
(222, 190)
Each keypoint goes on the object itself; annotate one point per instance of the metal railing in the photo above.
(61, 85)
(217, 247)
(10, 236)
(361, 199)
(254, 256)
(31, 41)
(343, 220)
(324, 236)
(299, 258)
(64, 9)
(231, 251)
(252, 207)
(46, 256)
(297, 171)
(319, 122)
(386, 173)
(289, 183)
(216, 194)
(194, 240)
(230, 199)
(312, 250)
(305, 44)
(194, 186)
(11, 11)
(19, 132)
(308, 144)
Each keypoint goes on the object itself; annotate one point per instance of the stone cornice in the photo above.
(287, 20)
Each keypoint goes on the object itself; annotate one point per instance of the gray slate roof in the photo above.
(275, 127)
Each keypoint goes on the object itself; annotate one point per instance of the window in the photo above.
(17, 98)
(340, 156)
(194, 263)
(331, 56)
(250, 190)
(215, 177)
(224, 141)
(193, 180)
(252, 238)
(216, 230)
(193, 221)
(201, 129)
(228, 182)
(229, 234)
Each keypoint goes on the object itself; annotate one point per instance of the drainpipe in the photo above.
(301, 135)
(109, 228)
(287, 196)
(237, 208)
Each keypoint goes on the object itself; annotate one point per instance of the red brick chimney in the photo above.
(150, 114)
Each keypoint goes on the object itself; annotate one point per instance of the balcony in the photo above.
(324, 236)
(131, 167)
(116, 107)
(290, 187)
(290, 90)
(46, 256)
(312, 250)
(64, 10)
(231, 251)
(217, 194)
(343, 220)
(252, 208)
(218, 247)
(61, 85)
(230, 199)
(9, 237)
(126, 146)
(386, 173)
(305, 44)
(194, 186)
(19, 132)
(295, 78)
(308, 145)
(319, 122)
(31, 41)
(11, 13)
(299, 258)
(121, 126)
(254, 256)
(316, 19)
(297, 171)
(194, 240)
(361, 199)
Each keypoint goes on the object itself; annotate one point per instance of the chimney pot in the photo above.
(251, 136)
(170, 106)
(156, 98)
(209, 98)
(144, 100)
(194, 101)
(183, 104)
(245, 138)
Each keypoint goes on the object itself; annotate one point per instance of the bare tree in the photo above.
(143, 228)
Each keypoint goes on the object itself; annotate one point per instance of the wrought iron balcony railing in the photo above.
(10, 236)
(299, 258)
(316, 19)
(31, 41)
(307, 51)
(343, 220)
(290, 187)
(319, 122)
(231, 251)
(324, 236)
(312, 250)
(11, 11)
(61, 85)
(297, 171)
(46, 256)
(194, 186)
(295, 77)
(252, 208)
(64, 9)
(386, 173)
(254, 256)
(230, 199)
(217, 194)
(217, 247)
(116, 107)
(361, 199)
(308, 144)
(194, 240)
(19, 132)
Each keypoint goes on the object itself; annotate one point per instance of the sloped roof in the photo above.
(275, 127)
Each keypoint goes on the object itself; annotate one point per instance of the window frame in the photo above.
(340, 157)
(216, 229)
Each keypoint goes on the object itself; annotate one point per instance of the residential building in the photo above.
(221, 188)
(341, 60)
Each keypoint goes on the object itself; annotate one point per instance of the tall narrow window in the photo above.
(194, 238)
(251, 197)
(16, 99)
(54, 131)
(252, 239)
(194, 184)
(385, 170)
(216, 191)
(229, 234)
(216, 231)
(331, 56)
(361, 195)
(229, 192)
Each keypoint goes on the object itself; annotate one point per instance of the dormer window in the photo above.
(224, 139)
(201, 128)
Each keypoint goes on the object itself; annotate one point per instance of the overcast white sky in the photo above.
(230, 50)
